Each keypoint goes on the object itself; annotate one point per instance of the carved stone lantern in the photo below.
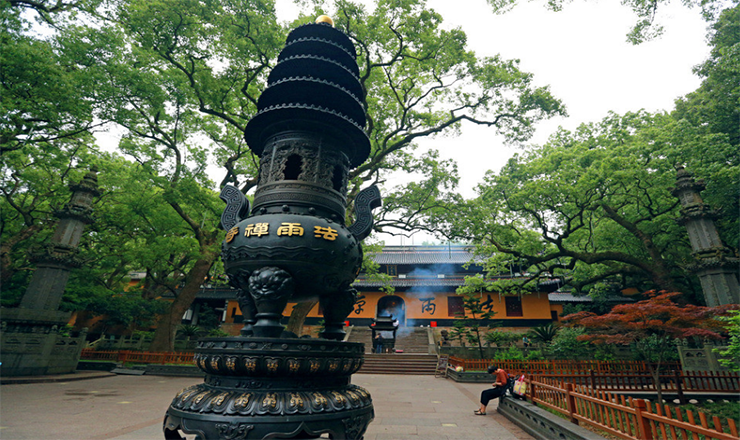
(292, 245)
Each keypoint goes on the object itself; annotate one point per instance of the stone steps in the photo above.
(410, 340)
(363, 335)
(416, 341)
(409, 364)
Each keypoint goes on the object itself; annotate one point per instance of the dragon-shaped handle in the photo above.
(237, 207)
(367, 200)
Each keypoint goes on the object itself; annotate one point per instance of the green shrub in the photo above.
(500, 339)
(512, 354)
(544, 333)
(565, 345)
(217, 333)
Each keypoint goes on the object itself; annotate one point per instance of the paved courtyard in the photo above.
(133, 407)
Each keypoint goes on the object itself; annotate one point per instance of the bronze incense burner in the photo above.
(292, 245)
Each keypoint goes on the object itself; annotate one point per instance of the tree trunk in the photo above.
(298, 316)
(164, 335)
(480, 344)
(659, 271)
(655, 372)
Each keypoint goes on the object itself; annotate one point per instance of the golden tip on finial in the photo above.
(325, 19)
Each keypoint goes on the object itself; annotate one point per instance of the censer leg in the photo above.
(336, 308)
(270, 288)
(249, 312)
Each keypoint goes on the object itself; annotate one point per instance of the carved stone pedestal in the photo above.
(31, 343)
(259, 388)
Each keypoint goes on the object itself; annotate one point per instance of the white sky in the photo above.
(582, 53)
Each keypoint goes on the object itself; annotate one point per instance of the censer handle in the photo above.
(237, 207)
(367, 200)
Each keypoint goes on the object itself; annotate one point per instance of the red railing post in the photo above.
(570, 401)
(122, 356)
(531, 390)
(593, 379)
(643, 424)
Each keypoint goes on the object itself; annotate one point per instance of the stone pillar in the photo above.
(31, 340)
(716, 266)
(57, 259)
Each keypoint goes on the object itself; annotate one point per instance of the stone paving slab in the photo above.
(133, 407)
(77, 375)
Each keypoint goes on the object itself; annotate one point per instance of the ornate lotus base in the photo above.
(259, 388)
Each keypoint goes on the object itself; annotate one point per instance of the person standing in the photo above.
(498, 390)
(378, 343)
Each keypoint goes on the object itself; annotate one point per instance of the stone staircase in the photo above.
(408, 339)
(413, 340)
(414, 360)
(361, 334)
(400, 363)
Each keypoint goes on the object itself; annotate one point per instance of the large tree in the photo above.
(595, 206)
(183, 72)
(589, 205)
(182, 78)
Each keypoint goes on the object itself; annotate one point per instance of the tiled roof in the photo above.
(556, 297)
(563, 297)
(411, 282)
(424, 255)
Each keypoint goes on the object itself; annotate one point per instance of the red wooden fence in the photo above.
(674, 381)
(613, 375)
(531, 367)
(627, 418)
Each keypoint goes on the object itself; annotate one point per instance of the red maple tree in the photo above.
(651, 327)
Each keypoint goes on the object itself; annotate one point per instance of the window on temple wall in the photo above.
(514, 306)
(455, 306)
(392, 270)
(293, 167)
(554, 315)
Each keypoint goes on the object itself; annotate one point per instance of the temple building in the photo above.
(424, 280)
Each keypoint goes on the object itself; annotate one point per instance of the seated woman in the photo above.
(498, 390)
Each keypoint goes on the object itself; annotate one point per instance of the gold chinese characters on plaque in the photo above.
(257, 230)
(231, 234)
(285, 230)
(326, 233)
(290, 229)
